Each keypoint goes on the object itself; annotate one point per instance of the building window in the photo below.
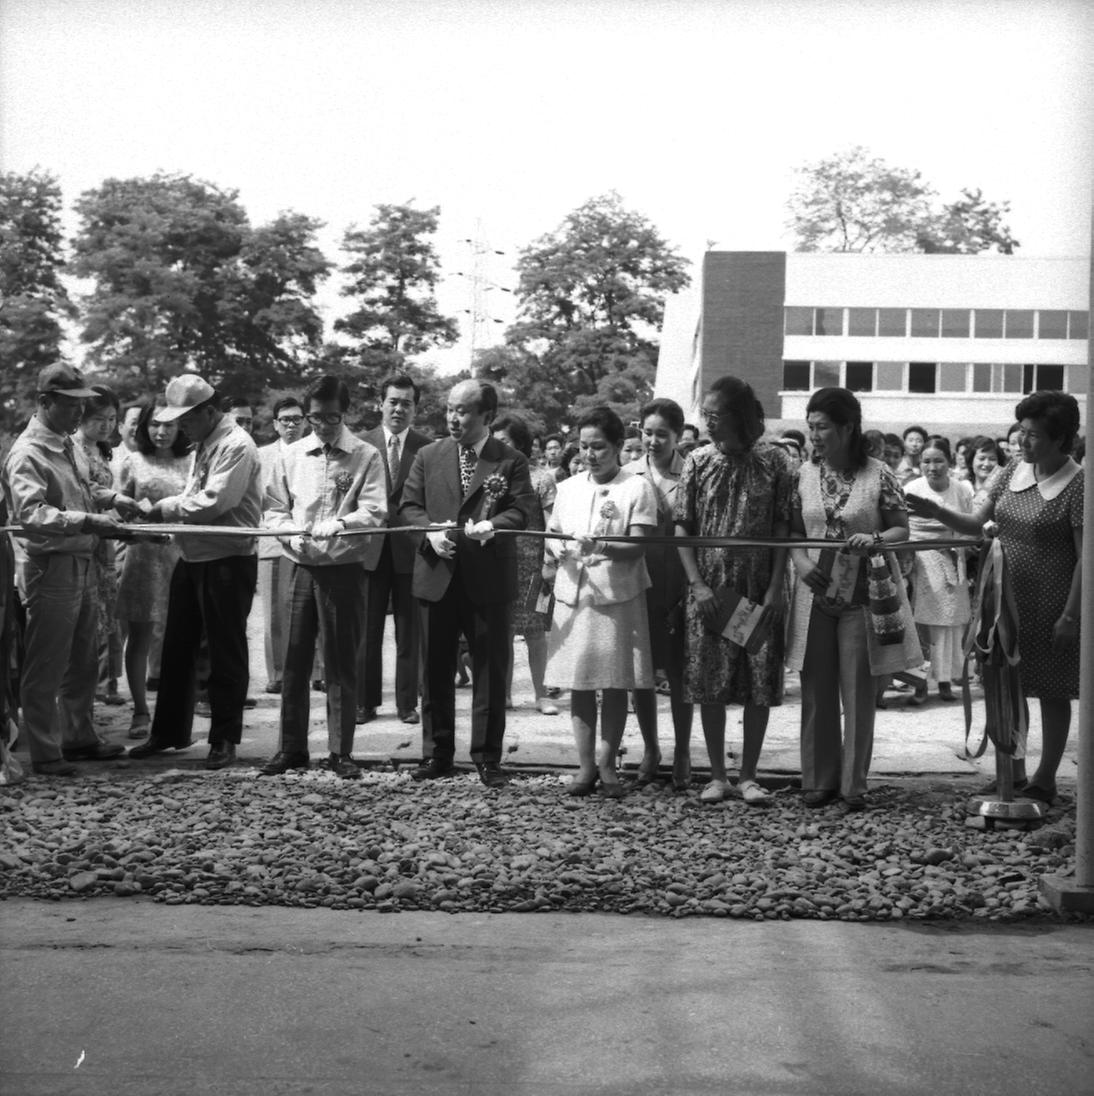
(1052, 325)
(952, 376)
(1019, 325)
(1042, 378)
(1077, 378)
(889, 377)
(989, 323)
(922, 377)
(798, 321)
(826, 374)
(860, 376)
(955, 323)
(1011, 378)
(892, 322)
(862, 321)
(981, 376)
(828, 321)
(796, 376)
(925, 323)
(1077, 325)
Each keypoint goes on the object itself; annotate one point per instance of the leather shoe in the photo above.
(282, 762)
(221, 754)
(492, 774)
(820, 797)
(55, 768)
(344, 766)
(100, 751)
(365, 715)
(433, 769)
(410, 716)
(155, 746)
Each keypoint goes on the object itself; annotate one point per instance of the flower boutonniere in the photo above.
(342, 483)
(495, 487)
(608, 511)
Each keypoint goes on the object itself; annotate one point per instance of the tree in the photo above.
(967, 226)
(592, 298)
(393, 272)
(33, 299)
(855, 201)
(182, 281)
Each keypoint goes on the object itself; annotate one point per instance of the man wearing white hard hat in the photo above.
(213, 583)
(59, 508)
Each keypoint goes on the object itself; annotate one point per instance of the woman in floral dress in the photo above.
(737, 486)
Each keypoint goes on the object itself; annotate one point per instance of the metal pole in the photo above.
(1067, 892)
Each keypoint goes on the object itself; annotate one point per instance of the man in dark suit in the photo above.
(393, 576)
(465, 576)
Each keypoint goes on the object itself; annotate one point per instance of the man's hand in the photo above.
(439, 542)
(151, 511)
(324, 530)
(127, 507)
(479, 530)
(102, 525)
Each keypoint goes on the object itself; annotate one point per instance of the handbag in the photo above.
(883, 602)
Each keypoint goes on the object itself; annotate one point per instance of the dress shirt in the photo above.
(313, 483)
(268, 547)
(222, 488)
(46, 491)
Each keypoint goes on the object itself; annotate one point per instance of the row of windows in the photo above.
(924, 378)
(933, 323)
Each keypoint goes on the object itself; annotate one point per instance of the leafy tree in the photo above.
(591, 299)
(182, 280)
(393, 273)
(967, 226)
(854, 201)
(33, 299)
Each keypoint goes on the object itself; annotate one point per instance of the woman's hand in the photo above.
(815, 579)
(921, 507)
(1065, 633)
(773, 601)
(858, 544)
(584, 546)
(704, 599)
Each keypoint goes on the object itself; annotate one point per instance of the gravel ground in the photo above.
(386, 843)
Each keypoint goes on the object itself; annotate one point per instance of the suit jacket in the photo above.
(432, 493)
(403, 545)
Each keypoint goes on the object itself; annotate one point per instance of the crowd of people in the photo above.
(595, 548)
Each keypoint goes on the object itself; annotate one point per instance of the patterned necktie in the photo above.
(393, 454)
(468, 460)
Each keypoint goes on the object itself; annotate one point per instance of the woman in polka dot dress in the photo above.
(1037, 503)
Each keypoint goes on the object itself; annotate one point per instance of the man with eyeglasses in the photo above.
(393, 577)
(465, 576)
(274, 570)
(213, 583)
(49, 494)
(328, 483)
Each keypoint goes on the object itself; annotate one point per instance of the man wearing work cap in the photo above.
(54, 501)
(214, 582)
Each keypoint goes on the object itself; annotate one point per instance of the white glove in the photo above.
(439, 542)
(324, 530)
(479, 530)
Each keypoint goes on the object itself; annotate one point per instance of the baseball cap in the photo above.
(59, 379)
(185, 393)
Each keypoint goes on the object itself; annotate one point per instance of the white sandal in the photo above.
(714, 792)
(752, 793)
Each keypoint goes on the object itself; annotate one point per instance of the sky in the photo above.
(508, 114)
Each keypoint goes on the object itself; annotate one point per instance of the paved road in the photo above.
(123, 998)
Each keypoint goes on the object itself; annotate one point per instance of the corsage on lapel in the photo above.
(608, 511)
(342, 483)
(496, 486)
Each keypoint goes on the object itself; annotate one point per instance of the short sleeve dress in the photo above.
(1037, 534)
(146, 568)
(525, 620)
(733, 495)
(939, 579)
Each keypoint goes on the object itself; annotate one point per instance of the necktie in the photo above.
(468, 461)
(393, 454)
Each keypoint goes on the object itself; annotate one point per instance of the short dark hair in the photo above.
(103, 399)
(606, 421)
(937, 441)
(842, 407)
(286, 401)
(230, 403)
(875, 442)
(742, 408)
(797, 435)
(668, 409)
(400, 380)
(894, 439)
(978, 445)
(328, 388)
(553, 437)
(692, 427)
(179, 447)
(915, 430)
(518, 432)
(1057, 410)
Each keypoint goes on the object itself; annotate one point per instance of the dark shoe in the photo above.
(282, 762)
(274, 687)
(54, 768)
(820, 798)
(945, 691)
(492, 774)
(365, 715)
(101, 751)
(110, 698)
(319, 685)
(152, 684)
(433, 769)
(344, 766)
(221, 754)
(1041, 795)
(250, 702)
(919, 696)
(407, 717)
(613, 790)
(201, 708)
(582, 787)
(854, 802)
(155, 746)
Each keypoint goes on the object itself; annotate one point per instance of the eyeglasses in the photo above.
(290, 420)
(710, 416)
(325, 418)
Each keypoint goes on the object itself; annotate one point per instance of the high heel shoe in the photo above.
(647, 776)
(681, 776)
(582, 787)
